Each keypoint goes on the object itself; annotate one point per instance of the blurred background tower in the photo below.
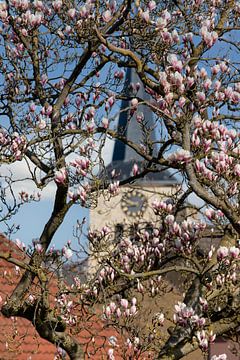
(133, 200)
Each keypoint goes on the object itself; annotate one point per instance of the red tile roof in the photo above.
(18, 338)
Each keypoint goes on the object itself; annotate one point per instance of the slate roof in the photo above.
(123, 170)
(123, 156)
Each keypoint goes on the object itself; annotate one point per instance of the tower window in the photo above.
(133, 232)
(118, 232)
(149, 229)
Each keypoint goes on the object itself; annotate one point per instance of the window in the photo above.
(118, 232)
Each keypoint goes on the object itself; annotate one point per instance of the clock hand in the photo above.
(131, 202)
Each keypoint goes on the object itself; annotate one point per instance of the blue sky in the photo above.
(32, 217)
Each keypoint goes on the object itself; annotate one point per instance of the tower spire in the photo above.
(124, 157)
(128, 125)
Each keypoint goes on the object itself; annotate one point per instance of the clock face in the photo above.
(134, 203)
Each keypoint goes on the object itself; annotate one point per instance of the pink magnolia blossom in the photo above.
(39, 248)
(3, 11)
(108, 311)
(207, 84)
(107, 16)
(113, 5)
(145, 16)
(182, 101)
(175, 36)
(140, 117)
(222, 252)
(72, 13)
(210, 253)
(202, 339)
(67, 252)
(210, 213)
(112, 306)
(38, 5)
(219, 357)
(20, 244)
(105, 122)
(133, 310)
(124, 303)
(119, 74)
(32, 107)
(44, 79)
(234, 252)
(212, 337)
(134, 102)
(160, 318)
(217, 85)
(135, 170)
(118, 313)
(151, 5)
(41, 124)
(169, 220)
(61, 176)
(90, 126)
(175, 63)
(181, 155)
(201, 96)
(111, 101)
(114, 188)
(235, 98)
(111, 354)
(215, 69)
(134, 301)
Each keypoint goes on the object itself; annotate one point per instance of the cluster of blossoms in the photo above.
(221, 150)
(177, 78)
(185, 316)
(65, 308)
(219, 357)
(14, 145)
(33, 14)
(227, 265)
(162, 207)
(214, 215)
(209, 37)
(114, 188)
(133, 346)
(25, 197)
(147, 248)
(180, 156)
(224, 253)
(204, 338)
(67, 252)
(123, 309)
(4, 138)
(80, 193)
(106, 274)
(81, 165)
(20, 244)
(29, 15)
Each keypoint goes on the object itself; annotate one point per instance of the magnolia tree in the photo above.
(62, 67)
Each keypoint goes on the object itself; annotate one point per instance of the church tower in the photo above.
(134, 200)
